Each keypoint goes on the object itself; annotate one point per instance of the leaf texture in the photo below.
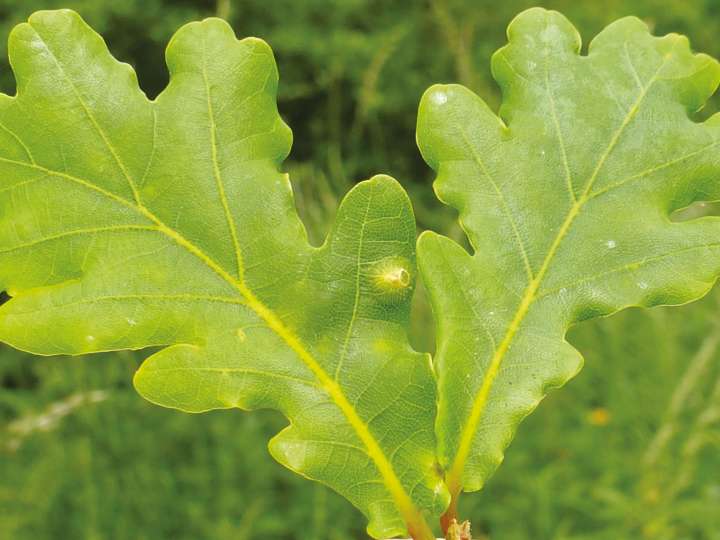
(127, 223)
(566, 199)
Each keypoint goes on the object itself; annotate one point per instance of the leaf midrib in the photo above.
(412, 516)
(467, 436)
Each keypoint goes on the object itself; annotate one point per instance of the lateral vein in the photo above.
(218, 175)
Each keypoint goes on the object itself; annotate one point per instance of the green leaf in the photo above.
(127, 223)
(566, 199)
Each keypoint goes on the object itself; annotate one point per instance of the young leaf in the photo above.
(127, 223)
(566, 201)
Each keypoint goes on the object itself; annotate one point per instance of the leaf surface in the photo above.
(128, 223)
(566, 199)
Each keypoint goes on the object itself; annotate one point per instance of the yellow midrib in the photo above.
(403, 501)
(468, 434)
(454, 474)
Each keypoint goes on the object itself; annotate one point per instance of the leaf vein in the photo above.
(556, 123)
(19, 141)
(91, 118)
(629, 266)
(79, 232)
(506, 209)
(356, 301)
(216, 169)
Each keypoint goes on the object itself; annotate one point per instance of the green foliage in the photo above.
(375, 104)
(257, 317)
(566, 201)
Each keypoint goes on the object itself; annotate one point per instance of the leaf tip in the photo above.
(381, 183)
(549, 28)
(211, 35)
(142, 382)
(427, 239)
(442, 107)
(287, 450)
(437, 96)
(54, 17)
(383, 180)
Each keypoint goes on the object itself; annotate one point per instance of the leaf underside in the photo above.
(128, 223)
(566, 200)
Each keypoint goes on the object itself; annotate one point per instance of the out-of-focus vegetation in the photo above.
(628, 450)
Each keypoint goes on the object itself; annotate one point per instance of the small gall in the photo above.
(397, 277)
(392, 277)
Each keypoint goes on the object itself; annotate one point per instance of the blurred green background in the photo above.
(628, 450)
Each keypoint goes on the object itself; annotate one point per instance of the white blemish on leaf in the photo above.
(439, 98)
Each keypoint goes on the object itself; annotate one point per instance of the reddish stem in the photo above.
(451, 513)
